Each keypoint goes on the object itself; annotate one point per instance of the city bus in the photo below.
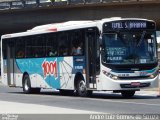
(112, 54)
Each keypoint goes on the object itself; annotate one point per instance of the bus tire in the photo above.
(26, 84)
(128, 94)
(81, 88)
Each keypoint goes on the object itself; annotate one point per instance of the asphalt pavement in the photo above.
(13, 100)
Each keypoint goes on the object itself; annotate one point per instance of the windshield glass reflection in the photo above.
(129, 48)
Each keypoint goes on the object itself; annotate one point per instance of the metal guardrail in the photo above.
(22, 4)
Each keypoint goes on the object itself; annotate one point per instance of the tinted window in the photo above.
(20, 48)
(4, 48)
(35, 46)
(51, 45)
(63, 44)
(77, 42)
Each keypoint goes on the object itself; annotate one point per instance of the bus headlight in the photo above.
(153, 75)
(115, 77)
(110, 75)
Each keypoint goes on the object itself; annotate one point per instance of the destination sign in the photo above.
(128, 25)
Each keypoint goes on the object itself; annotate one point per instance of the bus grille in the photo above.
(131, 86)
(134, 78)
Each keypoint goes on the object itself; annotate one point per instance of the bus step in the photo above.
(12, 85)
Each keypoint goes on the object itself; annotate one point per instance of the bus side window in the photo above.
(51, 52)
(63, 50)
(39, 46)
(4, 49)
(20, 48)
(78, 43)
(77, 49)
(63, 44)
(51, 45)
(20, 54)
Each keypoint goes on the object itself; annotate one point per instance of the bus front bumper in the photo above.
(110, 84)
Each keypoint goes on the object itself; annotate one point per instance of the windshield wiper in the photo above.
(142, 36)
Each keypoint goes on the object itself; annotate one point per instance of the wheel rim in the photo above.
(82, 87)
(26, 85)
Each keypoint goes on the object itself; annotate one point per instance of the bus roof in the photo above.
(70, 25)
(61, 25)
(55, 27)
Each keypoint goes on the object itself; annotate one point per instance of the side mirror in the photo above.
(100, 41)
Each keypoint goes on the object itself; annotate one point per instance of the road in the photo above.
(99, 102)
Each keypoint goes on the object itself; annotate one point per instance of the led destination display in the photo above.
(128, 25)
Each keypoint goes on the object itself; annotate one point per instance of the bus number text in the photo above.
(50, 68)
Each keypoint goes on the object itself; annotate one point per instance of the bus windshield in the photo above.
(129, 47)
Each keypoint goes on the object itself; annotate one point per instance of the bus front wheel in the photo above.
(81, 88)
(128, 94)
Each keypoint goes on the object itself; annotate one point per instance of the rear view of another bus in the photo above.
(128, 55)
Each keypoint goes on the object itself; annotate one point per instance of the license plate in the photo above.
(135, 83)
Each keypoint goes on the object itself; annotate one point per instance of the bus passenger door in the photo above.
(10, 63)
(92, 60)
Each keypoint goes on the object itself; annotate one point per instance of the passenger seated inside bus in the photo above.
(63, 51)
(77, 49)
(52, 52)
(36, 53)
(20, 54)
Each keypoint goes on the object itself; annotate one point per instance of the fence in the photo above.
(21, 4)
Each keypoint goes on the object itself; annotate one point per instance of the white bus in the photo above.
(112, 54)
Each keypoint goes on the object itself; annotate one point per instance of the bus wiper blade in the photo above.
(142, 36)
